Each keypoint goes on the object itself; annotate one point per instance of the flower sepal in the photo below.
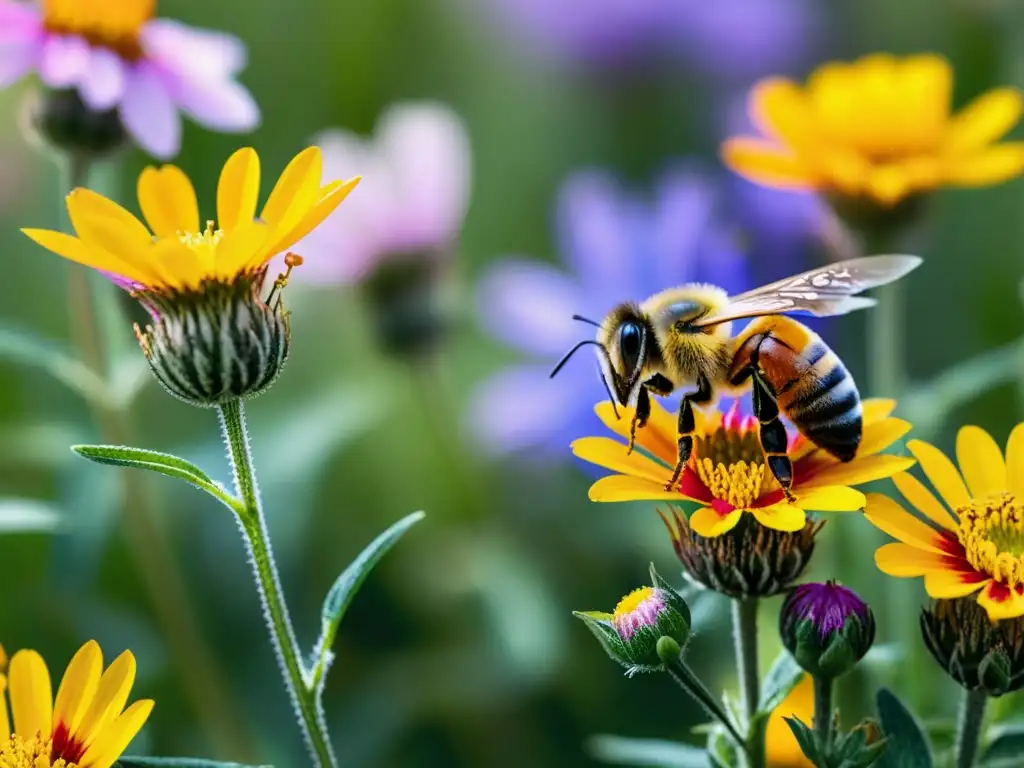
(647, 624)
(61, 121)
(827, 628)
(860, 748)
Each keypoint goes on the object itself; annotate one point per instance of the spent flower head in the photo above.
(972, 540)
(109, 66)
(215, 336)
(879, 129)
(85, 726)
(826, 627)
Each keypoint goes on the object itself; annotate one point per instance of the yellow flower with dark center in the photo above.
(973, 540)
(726, 471)
(878, 128)
(113, 24)
(781, 747)
(86, 726)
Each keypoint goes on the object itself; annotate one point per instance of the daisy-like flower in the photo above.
(214, 337)
(115, 57)
(973, 540)
(878, 129)
(85, 726)
(726, 472)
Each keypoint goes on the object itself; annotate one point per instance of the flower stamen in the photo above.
(730, 463)
(992, 534)
(18, 752)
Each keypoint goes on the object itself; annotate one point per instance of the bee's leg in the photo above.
(686, 426)
(640, 416)
(774, 441)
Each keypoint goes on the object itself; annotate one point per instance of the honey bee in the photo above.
(682, 337)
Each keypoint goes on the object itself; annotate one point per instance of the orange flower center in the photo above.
(992, 533)
(17, 752)
(113, 24)
(730, 463)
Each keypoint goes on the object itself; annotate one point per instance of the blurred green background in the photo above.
(460, 650)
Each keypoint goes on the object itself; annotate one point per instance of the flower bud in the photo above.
(405, 297)
(219, 343)
(647, 623)
(976, 652)
(62, 121)
(827, 628)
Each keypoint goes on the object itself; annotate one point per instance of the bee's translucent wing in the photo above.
(825, 291)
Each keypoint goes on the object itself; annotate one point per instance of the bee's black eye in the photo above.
(630, 336)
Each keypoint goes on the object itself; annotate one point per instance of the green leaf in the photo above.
(164, 463)
(783, 676)
(907, 746)
(806, 738)
(26, 348)
(179, 762)
(1005, 749)
(621, 750)
(28, 516)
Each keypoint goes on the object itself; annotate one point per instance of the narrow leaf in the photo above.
(164, 463)
(27, 516)
(178, 762)
(621, 750)
(906, 745)
(782, 678)
(1004, 750)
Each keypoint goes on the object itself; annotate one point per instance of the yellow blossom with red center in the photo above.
(972, 536)
(879, 128)
(726, 472)
(85, 726)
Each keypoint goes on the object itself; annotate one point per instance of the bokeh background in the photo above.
(461, 650)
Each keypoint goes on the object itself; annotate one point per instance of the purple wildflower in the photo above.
(827, 605)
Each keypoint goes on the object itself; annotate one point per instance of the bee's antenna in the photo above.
(587, 320)
(573, 351)
(611, 397)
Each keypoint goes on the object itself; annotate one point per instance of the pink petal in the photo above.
(426, 146)
(102, 84)
(17, 59)
(65, 60)
(223, 105)
(149, 114)
(195, 52)
(19, 21)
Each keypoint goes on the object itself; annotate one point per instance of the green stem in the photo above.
(968, 730)
(201, 676)
(689, 682)
(823, 709)
(297, 680)
(744, 626)
(886, 353)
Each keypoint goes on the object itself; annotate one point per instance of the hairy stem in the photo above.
(968, 729)
(823, 709)
(164, 583)
(297, 680)
(689, 682)
(744, 627)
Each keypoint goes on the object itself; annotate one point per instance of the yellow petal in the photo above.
(611, 454)
(1009, 608)
(876, 409)
(860, 470)
(781, 517)
(988, 166)
(766, 163)
(1015, 461)
(657, 438)
(940, 473)
(880, 435)
(624, 488)
(781, 747)
(238, 190)
(5, 718)
(780, 110)
(946, 585)
(239, 246)
(986, 119)
(106, 234)
(111, 695)
(175, 264)
(117, 735)
(844, 169)
(981, 462)
(899, 559)
(915, 493)
(86, 206)
(78, 686)
(331, 197)
(926, 84)
(31, 694)
(708, 523)
(75, 250)
(888, 516)
(832, 498)
(296, 191)
(888, 184)
(833, 92)
(168, 201)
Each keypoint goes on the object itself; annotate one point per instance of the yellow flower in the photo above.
(175, 253)
(974, 537)
(86, 726)
(112, 23)
(781, 747)
(877, 128)
(726, 471)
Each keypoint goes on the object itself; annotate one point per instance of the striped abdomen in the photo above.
(811, 385)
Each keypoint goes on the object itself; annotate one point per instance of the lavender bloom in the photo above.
(827, 628)
(827, 606)
(116, 56)
(617, 247)
(411, 202)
